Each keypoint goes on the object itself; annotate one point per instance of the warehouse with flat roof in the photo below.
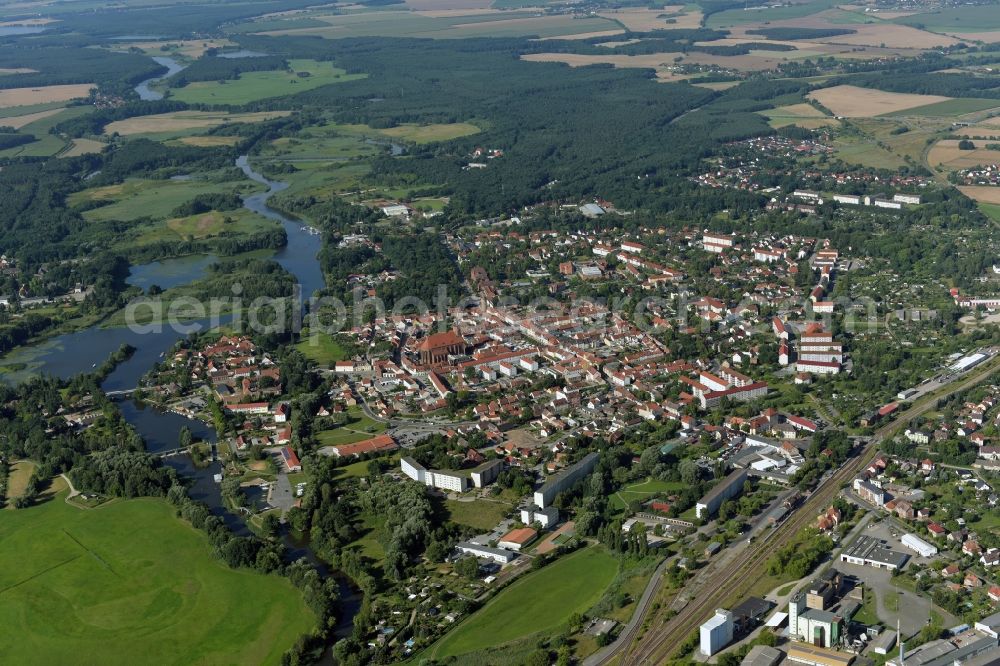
(872, 552)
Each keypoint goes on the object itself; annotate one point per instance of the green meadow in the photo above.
(128, 582)
(538, 602)
(252, 86)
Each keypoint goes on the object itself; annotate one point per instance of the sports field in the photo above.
(128, 583)
(537, 602)
(252, 86)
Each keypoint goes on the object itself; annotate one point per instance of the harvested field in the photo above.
(717, 85)
(83, 147)
(891, 36)
(992, 36)
(27, 96)
(947, 153)
(657, 61)
(588, 35)
(855, 102)
(186, 120)
(448, 4)
(645, 20)
(17, 122)
(209, 141)
(982, 193)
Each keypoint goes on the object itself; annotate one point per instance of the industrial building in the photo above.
(762, 655)
(565, 479)
(728, 488)
(500, 555)
(717, 633)
(968, 647)
(872, 552)
(822, 591)
(811, 655)
(918, 545)
(817, 627)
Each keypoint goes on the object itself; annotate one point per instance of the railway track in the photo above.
(738, 576)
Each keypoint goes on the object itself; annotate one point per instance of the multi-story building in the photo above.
(728, 488)
(717, 633)
(565, 479)
(812, 625)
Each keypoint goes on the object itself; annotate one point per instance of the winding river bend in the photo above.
(145, 92)
(72, 353)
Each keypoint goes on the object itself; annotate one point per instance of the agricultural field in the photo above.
(166, 125)
(156, 199)
(446, 25)
(991, 211)
(128, 580)
(79, 147)
(190, 49)
(671, 17)
(429, 133)
(855, 102)
(17, 122)
(11, 97)
(207, 141)
(954, 20)
(864, 152)
(253, 86)
(952, 107)
(479, 514)
(47, 144)
(983, 194)
(538, 602)
(802, 115)
(771, 14)
(947, 154)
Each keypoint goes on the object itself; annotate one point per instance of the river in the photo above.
(143, 89)
(72, 353)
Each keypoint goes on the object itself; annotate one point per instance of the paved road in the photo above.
(732, 578)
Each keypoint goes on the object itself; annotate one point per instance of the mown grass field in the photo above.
(479, 514)
(130, 583)
(17, 481)
(252, 86)
(321, 347)
(537, 602)
(643, 491)
(991, 211)
(359, 428)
